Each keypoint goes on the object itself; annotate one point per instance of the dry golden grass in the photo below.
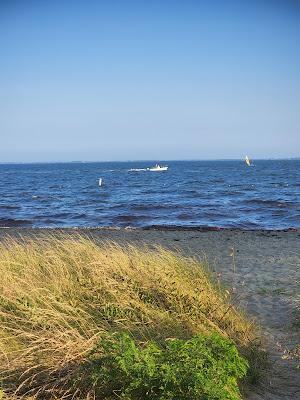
(58, 295)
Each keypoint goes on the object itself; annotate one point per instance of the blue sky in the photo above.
(128, 80)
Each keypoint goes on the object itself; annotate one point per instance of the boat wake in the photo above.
(138, 169)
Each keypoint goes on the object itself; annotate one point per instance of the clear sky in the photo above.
(128, 80)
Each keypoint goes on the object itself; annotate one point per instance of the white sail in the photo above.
(247, 161)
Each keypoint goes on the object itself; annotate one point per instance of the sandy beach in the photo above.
(263, 269)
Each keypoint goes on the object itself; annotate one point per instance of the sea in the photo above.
(190, 194)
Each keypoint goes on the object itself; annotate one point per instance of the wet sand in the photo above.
(263, 267)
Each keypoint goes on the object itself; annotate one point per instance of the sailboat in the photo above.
(247, 161)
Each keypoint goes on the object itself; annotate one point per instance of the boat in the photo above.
(247, 161)
(158, 167)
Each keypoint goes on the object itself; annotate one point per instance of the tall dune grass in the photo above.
(59, 295)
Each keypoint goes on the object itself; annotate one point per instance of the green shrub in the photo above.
(202, 368)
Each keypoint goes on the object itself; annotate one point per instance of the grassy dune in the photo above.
(63, 299)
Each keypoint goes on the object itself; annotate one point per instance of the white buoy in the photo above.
(100, 181)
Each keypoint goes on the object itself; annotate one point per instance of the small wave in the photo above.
(294, 218)
(113, 206)
(56, 187)
(217, 180)
(9, 207)
(137, 169)
(151, 207)
(191, 192)
(186, 217)
(78, 216)
(273, 203)
(132, 218)
(230, 192)
(10, 222)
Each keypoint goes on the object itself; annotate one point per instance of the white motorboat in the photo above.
(158, 167)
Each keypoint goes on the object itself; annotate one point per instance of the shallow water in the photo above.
(189, 194)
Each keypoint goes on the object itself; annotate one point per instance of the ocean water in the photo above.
(225, 194)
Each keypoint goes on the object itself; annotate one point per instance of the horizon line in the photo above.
(145, 160)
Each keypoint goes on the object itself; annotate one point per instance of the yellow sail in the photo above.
(247, 161)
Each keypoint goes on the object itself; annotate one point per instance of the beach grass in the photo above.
(63, 298)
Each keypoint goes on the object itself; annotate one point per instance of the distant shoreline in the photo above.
(147, 161)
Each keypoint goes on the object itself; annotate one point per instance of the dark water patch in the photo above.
(147, 191)
(272, 203)
(191, 192)
(61, 215)
(9, 207)
(220, 180)
(10, 222)
(186, 216)
(151, 207)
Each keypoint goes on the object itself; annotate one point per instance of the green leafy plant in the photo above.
(205, 367)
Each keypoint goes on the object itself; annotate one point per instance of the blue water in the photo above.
(189, 194)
